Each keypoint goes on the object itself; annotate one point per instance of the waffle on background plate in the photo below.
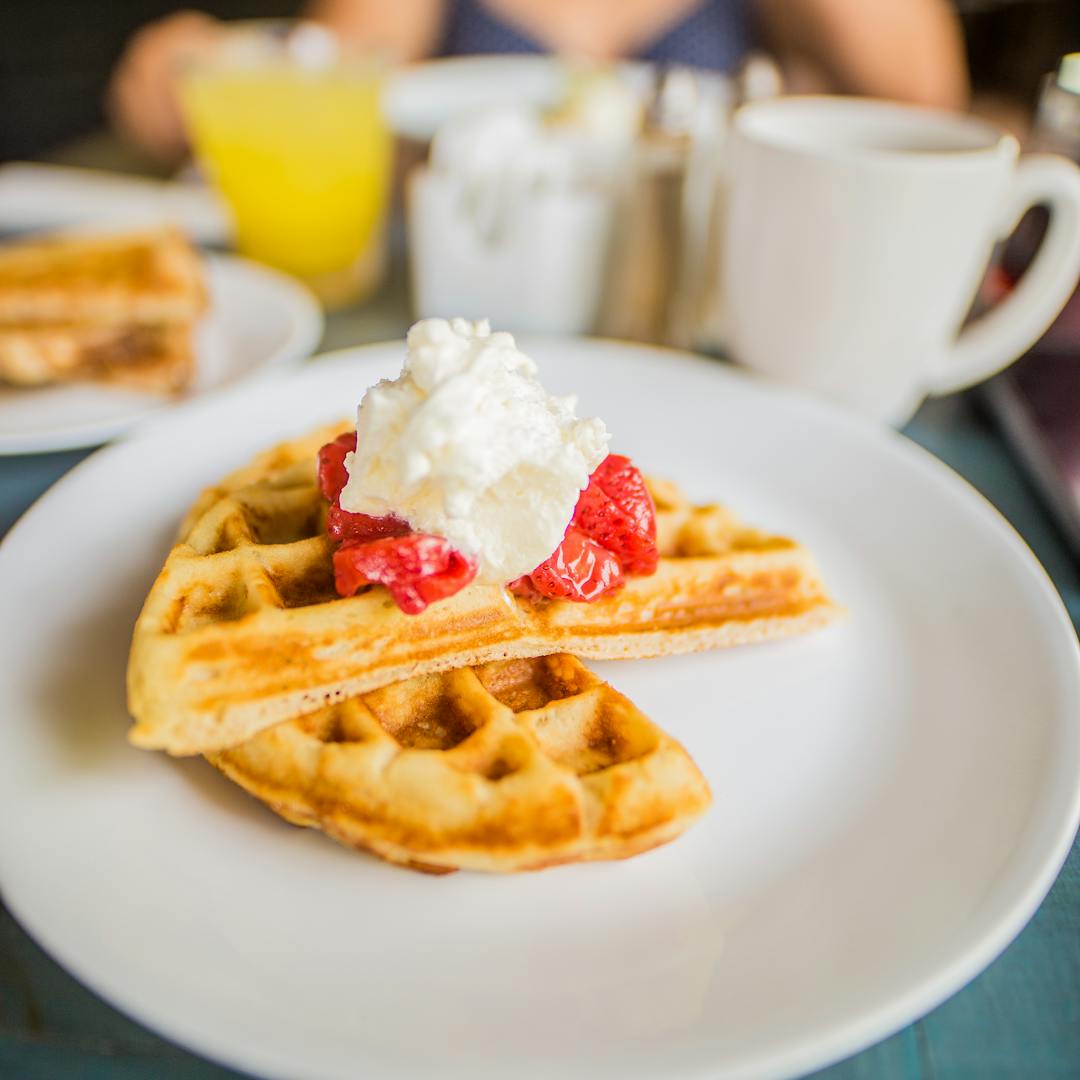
(243, 628)
(114, 308)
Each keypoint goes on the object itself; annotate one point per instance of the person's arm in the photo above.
(405, 29)
(141, 99)
(909, 50)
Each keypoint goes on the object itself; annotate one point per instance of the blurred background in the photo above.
(57, 59)
(558, 166)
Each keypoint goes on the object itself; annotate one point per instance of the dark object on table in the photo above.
(1037, 404)
(1037, 400)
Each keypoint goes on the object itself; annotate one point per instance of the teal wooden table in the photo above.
(1019, 1019)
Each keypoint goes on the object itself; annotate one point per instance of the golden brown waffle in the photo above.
(113, 308)
(158, 359)
(508, 766)
(243, 628)
(148, 278)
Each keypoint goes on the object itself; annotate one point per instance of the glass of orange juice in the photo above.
(290, 131)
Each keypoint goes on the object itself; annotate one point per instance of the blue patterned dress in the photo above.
(715, 35)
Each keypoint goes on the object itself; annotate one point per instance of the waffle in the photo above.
(243, 629)
(158, 359)
(116, 308)
(148, 278)
(508, 766)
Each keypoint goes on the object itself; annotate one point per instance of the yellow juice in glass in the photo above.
(303, 158)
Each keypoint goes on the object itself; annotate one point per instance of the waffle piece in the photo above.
(146, 278)
(509, 766)
(243, 628)
(158, 359)
(113, 308)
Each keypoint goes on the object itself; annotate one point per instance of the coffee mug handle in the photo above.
(1010, 328)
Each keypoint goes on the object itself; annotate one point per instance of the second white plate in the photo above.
(258, 319)
(893, 796)
(421, 97)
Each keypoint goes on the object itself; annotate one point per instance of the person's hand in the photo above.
(142, 98)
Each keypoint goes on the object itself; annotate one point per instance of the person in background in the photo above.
(909, 50)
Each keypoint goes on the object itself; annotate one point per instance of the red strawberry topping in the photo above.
(617, 511)
(418, 569)
(341, 525)
(578, 569)
(612, 533)
(333, 475)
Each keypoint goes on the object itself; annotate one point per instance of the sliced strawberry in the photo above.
(578, 569)
(418, 569)
(333, 475)
(341, 525)
(617, 511)
(621, 480)
(523, 586)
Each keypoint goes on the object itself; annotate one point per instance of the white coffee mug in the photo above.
(857, 234)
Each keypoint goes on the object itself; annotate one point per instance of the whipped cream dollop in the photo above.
(466, 444)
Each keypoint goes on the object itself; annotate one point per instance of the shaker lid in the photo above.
(1068, 76)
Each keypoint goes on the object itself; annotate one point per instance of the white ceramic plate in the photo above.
(419, 98)
(39, 195)
(258, 319)
(894, 796)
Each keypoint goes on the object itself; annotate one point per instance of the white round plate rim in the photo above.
(1060, 809)
(294, 303)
